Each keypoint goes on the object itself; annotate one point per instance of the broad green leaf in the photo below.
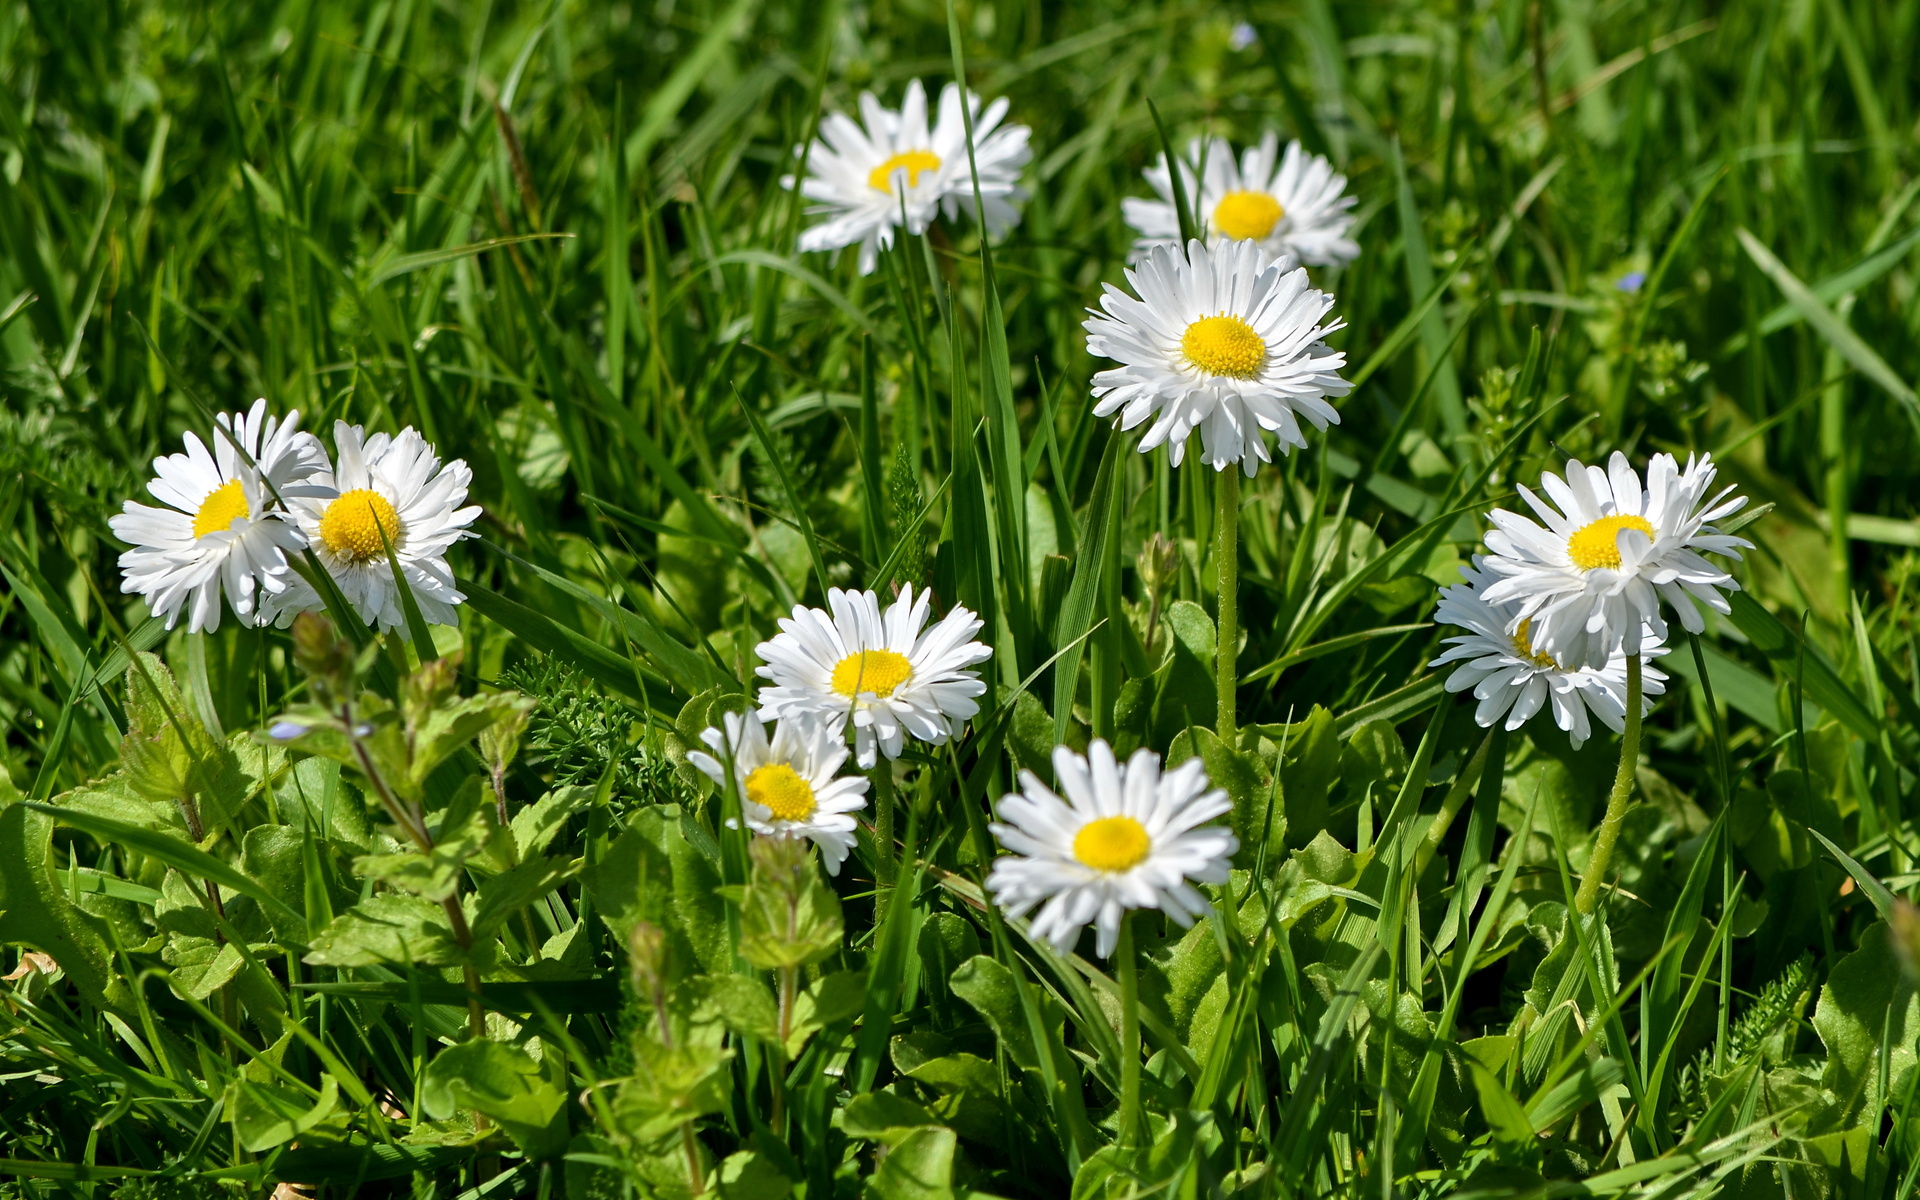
(387, 929)
(988, 986)
(504, 1083)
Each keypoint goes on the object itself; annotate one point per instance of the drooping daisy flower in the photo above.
(790, 787)
(394, 486)
(1124, 836)
(1513, 679)
(1297, 208)
(1592, 580)
(862, 174)
(888, 674)
(1223, 340)
(221, 529)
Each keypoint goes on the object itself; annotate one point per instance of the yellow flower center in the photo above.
(1224, 345)
(876, 671)
(914, 162)
(223, 506)
(1598, 544)
(352, 525)
(780, 789)
(1247, 215)
(1523, 646)
(1112, 844)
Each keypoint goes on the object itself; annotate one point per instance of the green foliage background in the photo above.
(552, 237)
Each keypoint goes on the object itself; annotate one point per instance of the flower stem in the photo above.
(1227, 559)
(1131, 1133)
(884, 863)
(1596, 873)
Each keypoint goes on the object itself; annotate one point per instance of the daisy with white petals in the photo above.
(221, 531)
(887, 674)
(1226, 341)
(1297, 205)
(1592, 579)
(385, 490)
(1512, 679)
(1123, 836)
(791, 786)
(866, 176)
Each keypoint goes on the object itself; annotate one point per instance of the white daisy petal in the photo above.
(222, 532)
(868, 177)
(885, 674)
(1223, 340)
(1296, 206)
(790, 786)
(383, 490)
(1513, 677)
(1117, 836)
(1591, 580)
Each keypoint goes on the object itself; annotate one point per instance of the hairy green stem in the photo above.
(1227, 559)
(1131, 1133)
(1596, 873)
(884, 862)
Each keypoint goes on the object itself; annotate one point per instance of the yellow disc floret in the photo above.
(1523, 646)
(222, 507)
(352, 525)
(1598, 544)
(914, 162)
(779, 788)
(1224, 345)
(876, 671)
(1247, 215)
(1112, 844)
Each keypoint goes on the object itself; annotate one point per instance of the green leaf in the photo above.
(506, 1085)
(507, 893)
(746, 1175)
(740, 1002)
(879, 1114)
(834, 999)
(265, 1115)
(175, 853)
(920, 1167)
(540, 822)
(633, 881)
(387, 929)
(989, 987)
(1869, 1020)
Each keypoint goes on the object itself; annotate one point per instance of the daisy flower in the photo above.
(1224, 340)
(1512, 679)
(1591, 581)
(394, 486)
(1297, 208)
(220, 531)
(1124, 836)
(861, 175)
(789, 787)
(889, 675)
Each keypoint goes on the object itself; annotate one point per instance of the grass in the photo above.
(552, 238)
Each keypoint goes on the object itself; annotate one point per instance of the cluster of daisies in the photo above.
(1561, 610)
(236, 522)
(1220, 333)
(854, 680)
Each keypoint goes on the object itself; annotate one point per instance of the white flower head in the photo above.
(385, 490)
(1124, 835)
(1513, 680)
(1224, 340)
(1591, 581)
(791, 786)
(866, 176)
(220, 531)
(887, 674)
(1296, 206)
